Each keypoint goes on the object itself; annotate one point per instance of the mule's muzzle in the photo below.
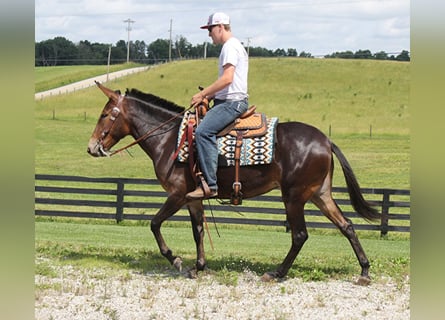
(96, 149)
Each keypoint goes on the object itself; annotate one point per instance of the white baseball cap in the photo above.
(217, 18)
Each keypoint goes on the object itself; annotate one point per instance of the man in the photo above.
(230, 96)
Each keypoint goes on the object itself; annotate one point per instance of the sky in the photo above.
(318, 27)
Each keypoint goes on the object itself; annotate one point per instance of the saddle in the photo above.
(250, 124)
(247, 125)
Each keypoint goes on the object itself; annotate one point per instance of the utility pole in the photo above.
(108, 62)
(248, 45)
(129, 21)
(170, 42)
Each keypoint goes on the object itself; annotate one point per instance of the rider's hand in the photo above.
(196, 99)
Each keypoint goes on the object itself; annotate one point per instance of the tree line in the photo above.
(61, 51)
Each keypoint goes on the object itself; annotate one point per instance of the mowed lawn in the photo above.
(363, 105)
(133, 247)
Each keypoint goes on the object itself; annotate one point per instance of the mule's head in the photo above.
(111, 126)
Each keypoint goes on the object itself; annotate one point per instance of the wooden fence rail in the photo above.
(140, 199)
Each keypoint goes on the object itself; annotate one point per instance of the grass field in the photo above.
(348, 98)
(324, 256)
(52, 77)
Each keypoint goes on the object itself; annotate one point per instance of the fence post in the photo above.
(385, 211)
(120, 201)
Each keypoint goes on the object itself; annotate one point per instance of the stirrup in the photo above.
(204, 185)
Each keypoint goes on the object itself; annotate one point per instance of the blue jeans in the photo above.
(216, 119)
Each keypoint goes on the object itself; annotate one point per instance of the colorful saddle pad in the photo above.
(254, 151)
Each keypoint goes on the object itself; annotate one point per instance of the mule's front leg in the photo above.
(170, 207)
(196, 211)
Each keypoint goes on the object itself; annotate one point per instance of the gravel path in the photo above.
(79, 85)
(70, 293)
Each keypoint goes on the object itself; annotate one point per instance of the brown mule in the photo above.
(302, 168)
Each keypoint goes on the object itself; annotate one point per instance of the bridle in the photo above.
(115, 112)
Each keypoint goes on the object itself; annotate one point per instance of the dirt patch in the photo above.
(71, 293)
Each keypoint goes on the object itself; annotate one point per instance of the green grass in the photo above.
(132, 247)
(349, 96)
(52, 77)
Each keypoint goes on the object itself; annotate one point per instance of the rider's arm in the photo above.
(209, 92)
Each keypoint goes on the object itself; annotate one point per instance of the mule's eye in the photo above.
(103, 115)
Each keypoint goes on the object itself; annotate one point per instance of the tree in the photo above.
(119, 53)
(182, 47)
(100, 53)
(84, 51)
(197, 51)
(42, 54)
(58, 51)
(346, 55)
(305, 55)
(382, 55)
(403, 56)
(291, 52)
(92, 53)
(213, 50)
(138, 51)
(260, 52)
(279, 53)
(363, 54)
(341, 55)
(61, 51)
(160, 49)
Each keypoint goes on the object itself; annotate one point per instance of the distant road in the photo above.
(88, 82)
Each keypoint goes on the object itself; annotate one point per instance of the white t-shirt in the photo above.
(234, 53)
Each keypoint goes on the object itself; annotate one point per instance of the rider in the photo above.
(230, 96)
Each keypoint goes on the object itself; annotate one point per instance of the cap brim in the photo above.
(204, 27)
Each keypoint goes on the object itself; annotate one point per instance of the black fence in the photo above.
(140, 199)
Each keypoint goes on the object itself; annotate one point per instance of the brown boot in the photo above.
(199, 194)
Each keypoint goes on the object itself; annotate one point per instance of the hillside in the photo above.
(348, 96)
(46, 78)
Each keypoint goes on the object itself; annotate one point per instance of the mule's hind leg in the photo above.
(329, 207)
(299, 235)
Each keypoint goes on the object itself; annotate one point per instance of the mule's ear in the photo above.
(108, 92)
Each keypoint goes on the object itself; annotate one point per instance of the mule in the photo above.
(302, 168)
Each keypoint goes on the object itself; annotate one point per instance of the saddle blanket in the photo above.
(254, 151)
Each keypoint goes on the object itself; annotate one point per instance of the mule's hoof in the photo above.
(268, 277)
(177, 263)
(192, 273)
(363, 281)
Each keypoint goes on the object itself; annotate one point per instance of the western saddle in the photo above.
(249, 124)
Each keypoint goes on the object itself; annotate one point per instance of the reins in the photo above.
(146, 135)
(115, 113)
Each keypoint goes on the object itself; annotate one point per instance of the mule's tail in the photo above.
(360, 205)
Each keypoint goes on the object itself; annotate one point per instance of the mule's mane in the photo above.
(155, 100)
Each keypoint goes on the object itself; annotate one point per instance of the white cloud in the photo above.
(318, 26)
(394, 27)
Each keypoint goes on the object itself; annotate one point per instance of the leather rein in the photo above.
(115, 112)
